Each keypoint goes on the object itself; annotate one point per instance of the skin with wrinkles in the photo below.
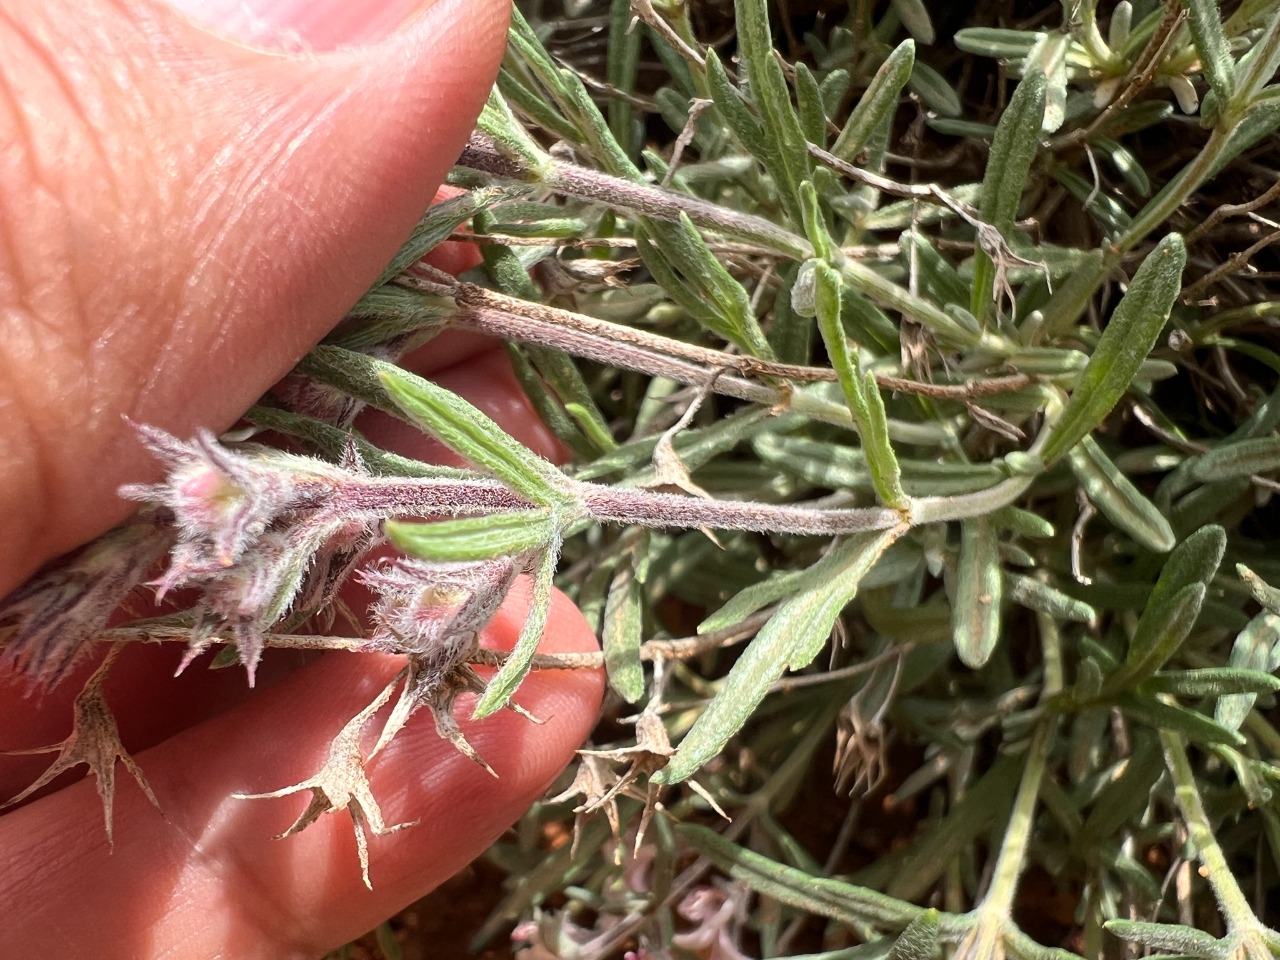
(181, 217)
(153, 267)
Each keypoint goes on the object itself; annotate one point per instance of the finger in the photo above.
(184, 216)
(208, 881)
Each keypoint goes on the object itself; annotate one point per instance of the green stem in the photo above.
(1175, 193)
(941, 509)
(646, 200)
(1253, 313)
(889, 294)
(1231, 899)
(617, 193)
(1004, 881)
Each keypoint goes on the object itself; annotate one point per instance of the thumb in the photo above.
(188, 207)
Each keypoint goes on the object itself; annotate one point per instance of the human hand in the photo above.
(184, 216)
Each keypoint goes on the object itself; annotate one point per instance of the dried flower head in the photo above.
(342, 783)
(94, 741)
(50, 620)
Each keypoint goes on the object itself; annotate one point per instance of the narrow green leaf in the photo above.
(689, 253)
(798, 888)
(564, 377)
(593, 427)
(1258, 66)
(951, 328)
(878, 103)
(688, 271)
(509, 136)
(1119, 500)
(440, 220)
(1129, 337)
(1036, 595)
(996, 42)
(1124, 797)
(529, 101)
(1159, 634)
(594, 129)
(932, 87)
(530, 51)
(845, 468)
(760, 595)
(621, 635)
(474, 538)
(915, 17)
(1107, 210)
(790, 640)
(861, 393)
(813, 118)
(1207, 503)
(354, 373)
(1023, 523)
(936, 276)
(1126, 164)
(979, 587)
(724, 94)
(335, 442)
(567, 430)
(503, 264)
(390, 312)
(885, 471)
(785, 155)
(622, 61)
(1212, 682)
(1195, 560)
(953, 128)
(1240, 459)
(1048, 361)
(1166, 716)
(1016, 141)
(1169, 937)
(835, 87)
(473, 436)
(512, 673)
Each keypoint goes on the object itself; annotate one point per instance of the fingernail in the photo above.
(295, 26)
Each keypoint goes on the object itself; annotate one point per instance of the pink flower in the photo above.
(719, 913)
(429, 608)
(224, 501)
(261, 534)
